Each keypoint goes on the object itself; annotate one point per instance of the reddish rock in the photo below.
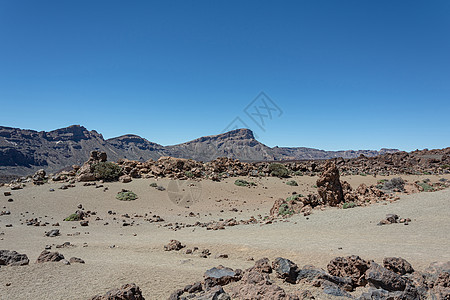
(329, 186)
(352, 266)
(258, 286)
(262, 265)
(397, 265)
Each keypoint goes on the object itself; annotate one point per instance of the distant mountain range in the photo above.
(23, 151)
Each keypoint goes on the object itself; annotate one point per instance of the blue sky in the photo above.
(344, 74)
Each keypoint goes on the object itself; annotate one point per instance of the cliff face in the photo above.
(24, 151)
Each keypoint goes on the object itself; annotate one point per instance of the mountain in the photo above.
(240, 144)
(23, 151)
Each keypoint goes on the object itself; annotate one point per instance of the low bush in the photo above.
(285, 210)
(73, 217)
(107, 171)
(278, 170)
(242, 182)
(349, 205)
(153, 184)
(292, 183)
(125, 195)
(426, 187)
(294, 197)
(394, 184)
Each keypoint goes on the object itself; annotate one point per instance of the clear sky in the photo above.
(340, 74)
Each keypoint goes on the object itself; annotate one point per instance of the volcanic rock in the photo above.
(352, 266)
(397, 265)
(12, 258)
(47, 256)
(174, 245)
(129, 291)
(329, 186)
(380, 277)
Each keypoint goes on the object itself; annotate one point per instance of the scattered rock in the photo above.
(129, 291)
(52, 233)
(125, 178)
(47, 256)
(12, 258)
(73, 260)
(174, 245)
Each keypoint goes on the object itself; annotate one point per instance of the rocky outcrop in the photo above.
(329, 185)
(86, 172)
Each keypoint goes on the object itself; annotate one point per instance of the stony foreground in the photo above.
(110, 244)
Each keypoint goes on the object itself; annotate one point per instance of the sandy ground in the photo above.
(138, 255)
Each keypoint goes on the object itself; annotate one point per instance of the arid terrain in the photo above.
(124, 241)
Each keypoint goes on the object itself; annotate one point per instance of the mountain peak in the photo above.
(73, 133)
(242, 133)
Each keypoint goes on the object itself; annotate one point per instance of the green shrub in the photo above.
(278, 170)
(292, 183)
(298, 173)
(426, 187)
(73, 217)
(285, 210)
(381, 181)
(107, 171)
(446, 167)
(126, 196)
(349, 205)
(242, 182)
(426, 173)
(153, 184)
(363, 174)
(294, 197)
(189, 174)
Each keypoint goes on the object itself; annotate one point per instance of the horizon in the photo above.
(211, 135)
(331, 75)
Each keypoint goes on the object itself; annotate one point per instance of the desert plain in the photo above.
(115, 254)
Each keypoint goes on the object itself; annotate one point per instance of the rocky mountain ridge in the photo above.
(23, 151)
